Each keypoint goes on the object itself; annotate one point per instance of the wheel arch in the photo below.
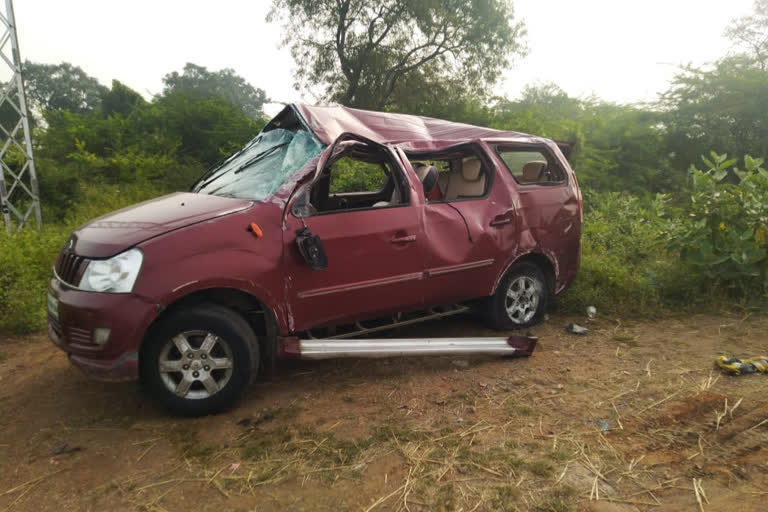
(255, 311)
(544, 262)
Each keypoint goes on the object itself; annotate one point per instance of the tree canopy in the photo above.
(226, 83)
(384, 54)
(61, 87)
(720, 107)
(750, 33)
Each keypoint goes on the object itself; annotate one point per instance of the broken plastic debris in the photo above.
(591, 312)
(576, 329)
(735, 366)
(65, 449)
(604, 425)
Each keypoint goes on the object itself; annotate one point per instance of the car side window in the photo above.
(360, 178)
(350, 175)
(457, 174)
(531, 166)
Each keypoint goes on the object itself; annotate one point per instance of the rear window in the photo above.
(531, 166)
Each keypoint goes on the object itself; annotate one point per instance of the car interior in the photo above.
(461, 174)
(360, 177)
(531, 166)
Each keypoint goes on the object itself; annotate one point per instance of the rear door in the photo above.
(548, 198)
(374, 246)
(469, 231)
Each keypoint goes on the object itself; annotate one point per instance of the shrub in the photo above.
(27, 257)
(647, 256)
(623, 261)
(723, 228)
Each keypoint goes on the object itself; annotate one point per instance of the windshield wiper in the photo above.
(245, 165)
(258, 157)
(221, 163)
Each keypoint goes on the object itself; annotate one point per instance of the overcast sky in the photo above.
(619, 50)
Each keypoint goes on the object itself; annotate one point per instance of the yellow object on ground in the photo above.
(735, 366)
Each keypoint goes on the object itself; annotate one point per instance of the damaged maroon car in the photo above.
(333, 223)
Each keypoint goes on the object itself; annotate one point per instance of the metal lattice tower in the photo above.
(19, 198)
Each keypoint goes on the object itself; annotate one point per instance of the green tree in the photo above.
(394, 53)
(226, 83)
(722, 108)
(750, 33)
(121, 99)
(61, 87)
(157, 146)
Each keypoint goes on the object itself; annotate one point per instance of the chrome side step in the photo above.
(296, 348)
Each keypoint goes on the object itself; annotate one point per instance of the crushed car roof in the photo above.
(411, 133)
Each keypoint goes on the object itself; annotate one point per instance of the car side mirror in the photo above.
(302, 207)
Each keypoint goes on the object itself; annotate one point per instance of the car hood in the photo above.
(120, 230)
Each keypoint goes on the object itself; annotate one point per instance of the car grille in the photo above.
(70, 266)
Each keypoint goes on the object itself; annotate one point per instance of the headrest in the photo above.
(532, 171)
(429, 180)
(470, 169)
(420, 170)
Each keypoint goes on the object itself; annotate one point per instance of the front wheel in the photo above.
(520, 299)
(199, 360)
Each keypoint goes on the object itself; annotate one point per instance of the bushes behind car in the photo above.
(640, 256)
(27, 257)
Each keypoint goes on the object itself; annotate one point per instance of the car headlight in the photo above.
(115, 275)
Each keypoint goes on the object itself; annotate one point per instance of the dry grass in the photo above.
(645, 426)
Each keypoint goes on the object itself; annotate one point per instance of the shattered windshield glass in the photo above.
(262, 166)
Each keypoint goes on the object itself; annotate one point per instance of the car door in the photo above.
(470, 236)
(374, 255)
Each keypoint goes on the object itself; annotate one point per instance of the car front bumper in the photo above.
(74, 316)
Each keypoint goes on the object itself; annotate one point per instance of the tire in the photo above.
(520, 299)
(199, 360)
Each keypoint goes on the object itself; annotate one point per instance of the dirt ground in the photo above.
(630, 417)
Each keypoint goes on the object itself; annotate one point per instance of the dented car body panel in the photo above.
(391, 248)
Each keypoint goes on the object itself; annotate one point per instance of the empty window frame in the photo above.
(362, 177)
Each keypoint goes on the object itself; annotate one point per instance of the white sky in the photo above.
(619, 50)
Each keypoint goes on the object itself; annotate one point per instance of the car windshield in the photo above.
(262, 166)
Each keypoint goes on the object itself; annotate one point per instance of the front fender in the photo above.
(258, 292)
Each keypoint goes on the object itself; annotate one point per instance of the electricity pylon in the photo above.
(19, 198)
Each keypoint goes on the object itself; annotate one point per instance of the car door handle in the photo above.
(403, 239)
(502, 219)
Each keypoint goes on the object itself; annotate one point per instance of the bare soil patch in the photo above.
(630, 417)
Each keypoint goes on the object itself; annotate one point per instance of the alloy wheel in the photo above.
(195, 364)
(522, 300)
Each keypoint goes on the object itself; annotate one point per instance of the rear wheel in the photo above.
(520, 299)
(199, 360)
